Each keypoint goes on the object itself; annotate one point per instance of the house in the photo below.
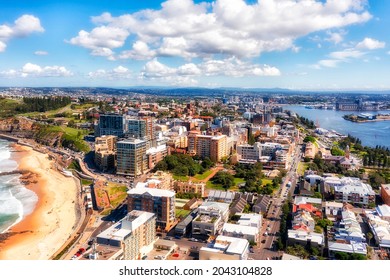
(261, 204)
(304, 238)
(332, 209)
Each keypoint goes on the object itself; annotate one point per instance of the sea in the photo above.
(370, 133)
(16, 201)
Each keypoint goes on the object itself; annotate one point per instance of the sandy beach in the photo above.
(39, 235)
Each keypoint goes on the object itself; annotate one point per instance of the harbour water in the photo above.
(16, 201)
(370, 133)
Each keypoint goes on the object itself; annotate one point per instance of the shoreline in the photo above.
(41, 233)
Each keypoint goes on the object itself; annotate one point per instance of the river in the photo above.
(371, 133)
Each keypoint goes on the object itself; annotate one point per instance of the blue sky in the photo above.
(295, 44)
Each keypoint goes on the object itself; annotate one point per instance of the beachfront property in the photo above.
(158, 201)
(105, 152)
(226, 248)
(131, 157)
(131, 238)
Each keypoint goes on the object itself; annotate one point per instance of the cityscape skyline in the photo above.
(289, 44)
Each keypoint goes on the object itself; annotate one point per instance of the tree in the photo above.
(225, 179)
(369, 236)
(251, 139)
(309, 139)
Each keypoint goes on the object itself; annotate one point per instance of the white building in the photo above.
(349, 228)
(226, 248)
(247, 227)
(249, 152)
(210, 219)
(332, 208)
(380, 228)
(134, 235)
(303, 237)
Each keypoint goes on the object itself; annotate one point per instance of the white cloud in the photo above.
(370, 44)
(34, 70)
(231, 67)
(41, 53)
(347, 55)
(101, 40)
(140, 51)
(335, 37)
(229, 27)
(117, 73)
(22, 27)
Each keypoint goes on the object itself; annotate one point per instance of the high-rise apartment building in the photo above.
(157, 201)
(213, 147)
(131, 157)
(105, 147)
(132, 237)
(111, 124)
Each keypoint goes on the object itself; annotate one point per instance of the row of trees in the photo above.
(42, 104)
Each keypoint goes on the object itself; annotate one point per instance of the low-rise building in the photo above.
(303, 238)
(210, 219)
(380, 228)
(155, 154)
(332, 209)
(247, 227)
(221, 196)
(190, 187)
(226, 248)
(348, 228)
(351, 190)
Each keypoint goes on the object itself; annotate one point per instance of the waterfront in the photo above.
(371, 133)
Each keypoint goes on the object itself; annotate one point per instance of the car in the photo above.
(263, 241)
(168, 238)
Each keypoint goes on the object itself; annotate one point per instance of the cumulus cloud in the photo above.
(101, 40)
(117, 73)
(22, 27)
(231, 67)
(370, 44)
(41, 53)
(229, 27)
(34, 70)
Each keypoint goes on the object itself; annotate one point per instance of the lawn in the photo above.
(181, 212)
(180, 178)
(204, 175)
(86, 182)
(302, 166)
(266, 181)
(117, 193)
(71, 134)
(237, 181)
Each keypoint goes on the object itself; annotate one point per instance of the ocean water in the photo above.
(15, 200)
